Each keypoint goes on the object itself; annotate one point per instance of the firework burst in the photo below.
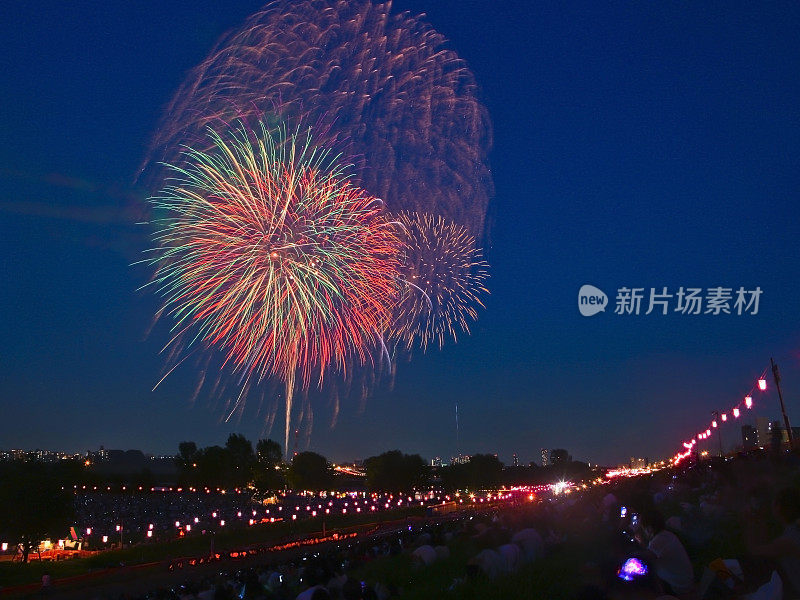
(266, 252)
(385, 86)
(445, 282)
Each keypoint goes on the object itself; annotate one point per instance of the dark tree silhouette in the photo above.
(187, 458)
(241, 460)
(269, 452)
(481, 472)
(267, 474)
(309, 471)
(31, 495)
(395, 472)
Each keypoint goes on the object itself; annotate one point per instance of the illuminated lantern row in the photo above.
(735, 411)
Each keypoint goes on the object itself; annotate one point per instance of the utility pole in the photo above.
(777, 376)
(718, 421)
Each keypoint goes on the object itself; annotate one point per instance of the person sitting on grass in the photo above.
(785, 549)
(666, 552)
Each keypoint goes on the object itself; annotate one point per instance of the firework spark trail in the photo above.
(385, 86)
(445, 279)
(268, 253)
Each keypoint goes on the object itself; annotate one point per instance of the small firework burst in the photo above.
(444, 279)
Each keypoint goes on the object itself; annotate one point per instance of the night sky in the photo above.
(639, 144)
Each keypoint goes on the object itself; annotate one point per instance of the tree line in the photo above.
(40, 496)
(238, 465)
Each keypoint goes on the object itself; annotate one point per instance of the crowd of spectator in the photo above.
(169, 514)
(714, 530)
(319, 573)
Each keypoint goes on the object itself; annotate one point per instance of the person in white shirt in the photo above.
(670, 558)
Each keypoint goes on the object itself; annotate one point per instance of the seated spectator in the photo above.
(488, 563)
(512, 555)
(531, 543)
(424, 555)
(667, 554)
(785, 549)
(320, 593)
(442, 552)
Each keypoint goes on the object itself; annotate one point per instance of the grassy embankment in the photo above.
(14, 573)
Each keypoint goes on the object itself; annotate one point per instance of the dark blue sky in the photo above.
(635, 144)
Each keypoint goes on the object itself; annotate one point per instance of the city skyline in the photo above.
(735, 438)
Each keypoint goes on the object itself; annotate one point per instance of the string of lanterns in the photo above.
(735, 412)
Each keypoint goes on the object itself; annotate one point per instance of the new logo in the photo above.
(591, 300)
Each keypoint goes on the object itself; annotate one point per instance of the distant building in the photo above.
(461, 459)
(545, 457)
(49, 456)
(749, 437)
(98, 455)
(762, 430)
(559, 456)
(515, 460)
(638, 463)
(436, 462)
(778, 431)
(777, 434)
